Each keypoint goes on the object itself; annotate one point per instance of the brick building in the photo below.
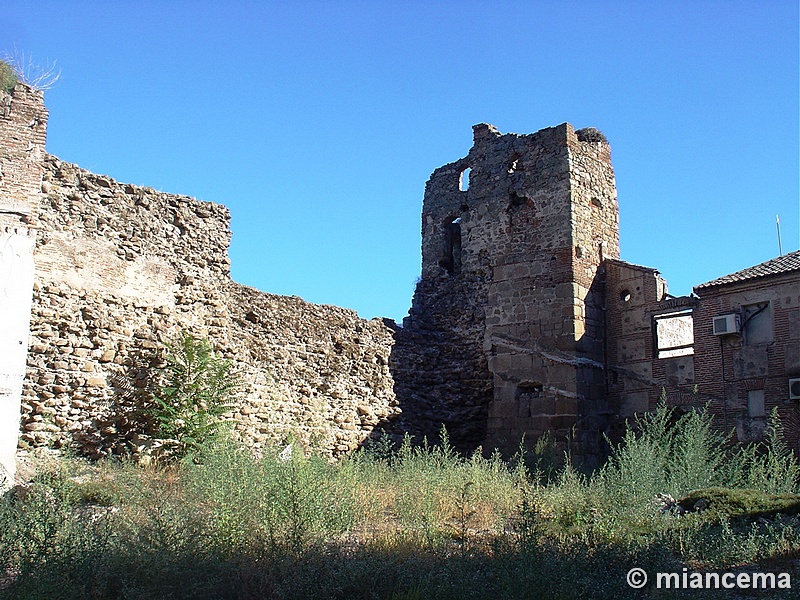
(747, 346)
(734, 345)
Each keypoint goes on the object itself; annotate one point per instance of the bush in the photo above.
(419, 522)
(665, 456)
(8, 77)
(769, 466)
(194, 391)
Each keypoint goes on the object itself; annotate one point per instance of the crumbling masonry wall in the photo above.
(121, 268)
(523, 322)
(636, 300)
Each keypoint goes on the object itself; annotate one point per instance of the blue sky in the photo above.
(318, 123)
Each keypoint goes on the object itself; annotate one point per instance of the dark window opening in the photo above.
(530, 390)
(625, 296)
(451, 260)
(527, 395)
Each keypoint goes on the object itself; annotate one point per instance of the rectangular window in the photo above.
(674, 334)
(755, 404)
(757, 323)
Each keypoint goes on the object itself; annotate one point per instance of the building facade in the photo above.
(747, 347)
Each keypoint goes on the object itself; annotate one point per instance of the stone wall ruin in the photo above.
(524, 321)
(23, 123)
(119, 269)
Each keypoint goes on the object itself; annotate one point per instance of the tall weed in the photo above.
(769, 466)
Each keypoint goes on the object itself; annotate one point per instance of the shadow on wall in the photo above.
(443, 379)
(125, 424)
(440, 372)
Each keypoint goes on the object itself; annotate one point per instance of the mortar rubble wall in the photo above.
(121, 268)
(534, 224)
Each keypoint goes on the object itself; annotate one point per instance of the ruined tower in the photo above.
(508, 312)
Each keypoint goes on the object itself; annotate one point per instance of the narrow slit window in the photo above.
(463, 179)
(451, 260)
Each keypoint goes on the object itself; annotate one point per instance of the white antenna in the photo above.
(778, 226)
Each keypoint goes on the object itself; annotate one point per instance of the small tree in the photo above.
(193, 391)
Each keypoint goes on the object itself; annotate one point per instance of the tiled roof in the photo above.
(775, 266)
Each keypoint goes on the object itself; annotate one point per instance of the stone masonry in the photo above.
(23, 122)
(524, 321)
(509, 308)
(119, 269)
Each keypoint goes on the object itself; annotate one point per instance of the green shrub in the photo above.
(8, 77)
(769, 466)
(194, 391)
(662, 455)
(419, 522)
(728, 502)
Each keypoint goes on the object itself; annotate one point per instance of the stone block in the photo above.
(643, 370)
(635, 322)
(568, 290)
(517, 365)
(503, 409)
(566, 406)
(679, 370)
(630, 349)
(563, 422)
(793, 316)
(543, 406)
(96, 381)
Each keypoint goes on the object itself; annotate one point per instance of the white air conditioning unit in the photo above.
(726, 324)
(794, 389)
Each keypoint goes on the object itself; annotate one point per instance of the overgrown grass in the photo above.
(418, 522)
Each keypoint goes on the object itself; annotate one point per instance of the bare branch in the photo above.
(38, 76)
